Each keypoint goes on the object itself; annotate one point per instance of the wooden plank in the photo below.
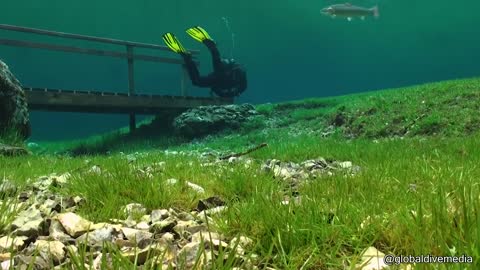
(19, 43)
(84, 37)
(83, 102)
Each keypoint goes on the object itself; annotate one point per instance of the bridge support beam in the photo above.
(183, 81)
(131, 85)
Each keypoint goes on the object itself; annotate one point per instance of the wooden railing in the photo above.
(128, 54)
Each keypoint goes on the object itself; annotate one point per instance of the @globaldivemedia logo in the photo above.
(392, 259)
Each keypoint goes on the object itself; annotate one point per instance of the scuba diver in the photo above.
(228, 78)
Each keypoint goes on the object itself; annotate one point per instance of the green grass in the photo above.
(11, 137)
(413, 196)
(444, 171)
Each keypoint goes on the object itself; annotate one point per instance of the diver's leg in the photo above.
(197, 80)
(216, 59)
(200, 35)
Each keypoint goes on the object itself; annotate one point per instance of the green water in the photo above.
(291, 51)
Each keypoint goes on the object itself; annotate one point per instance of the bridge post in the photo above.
(183, 80)
(131, 84)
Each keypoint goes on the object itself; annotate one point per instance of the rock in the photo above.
(208, 203)
(57, 232)
(187, 226)
(29, 223)
(136, 236)
(139, 238)
(43, 183)
(6, 265)
(159, 214)
(205, 120)
(168, 238)
(5, 256)
(130, 222)
(373, 259)
(295, 174)
(95, 169)
(61, 179)
(12, 242)
(97, 237)
(31, 262)
(211, 238)
(185, 216)
(13, 105)
(168, 152)
(317, 164)
(101, 225)
(131, 158)
(50, 205)
(196, 187)
(50, 250)
(134, 209)
(242, 241)
(122, 243)
(24, 195)
(296, 200)
(99, 260)
(141, 255)
(172, 181)
(188, 254)
(213, 211)
(74, 225)
(345, 164)
(8, 150)
(142, 226)
(163, 226)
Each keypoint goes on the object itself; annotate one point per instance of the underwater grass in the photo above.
(414, 195)
(11, 137)
(447, 108)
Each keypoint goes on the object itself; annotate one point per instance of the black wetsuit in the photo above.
(226, 80)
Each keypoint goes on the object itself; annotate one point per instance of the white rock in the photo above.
(50, 250)
(159, 214)
(8, 242)
(196, 187)
(171, 181)
(188, 253)
(142, 226)
(345, 164)
(97, 237)
(214, 211)
(6, 265)
(134, 235)
(28, 222)
(168, 237)
(95, 169)
(74, 224)
(372, 259)
(134, 208)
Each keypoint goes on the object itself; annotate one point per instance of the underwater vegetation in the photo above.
(329, 183)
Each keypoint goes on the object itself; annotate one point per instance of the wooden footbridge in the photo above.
(101, 101)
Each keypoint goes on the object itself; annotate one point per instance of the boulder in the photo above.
(206, 120)
(13, 104)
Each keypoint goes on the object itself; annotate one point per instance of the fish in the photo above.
(350, 11)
